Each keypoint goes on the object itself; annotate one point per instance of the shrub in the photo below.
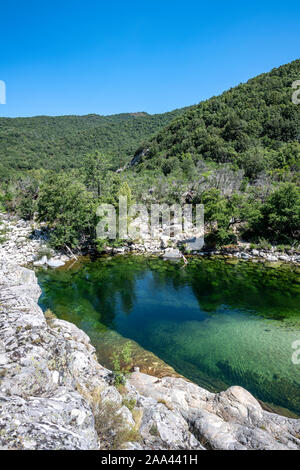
(44, 252)
(129, 403)
(153, 430)
(66, 205)
(263, 244)
(121, 362)
(282, 211)
(3, 232)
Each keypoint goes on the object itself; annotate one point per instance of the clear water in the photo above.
(216, 322)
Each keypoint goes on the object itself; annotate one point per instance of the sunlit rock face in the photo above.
(24, 241)
(52, 384)
(230, 420)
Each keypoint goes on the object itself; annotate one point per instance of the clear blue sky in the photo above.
(106, 57)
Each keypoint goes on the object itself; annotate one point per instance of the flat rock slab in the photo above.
(172, 254)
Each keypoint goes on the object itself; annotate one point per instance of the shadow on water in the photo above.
(216, 322)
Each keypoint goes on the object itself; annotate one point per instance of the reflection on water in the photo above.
(217, 323)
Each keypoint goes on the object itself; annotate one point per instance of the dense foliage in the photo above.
(239, 154)
(254, 126)
(60, 142)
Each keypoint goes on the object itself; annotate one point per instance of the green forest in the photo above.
(254, 126)
(59, 143)
(237, 153)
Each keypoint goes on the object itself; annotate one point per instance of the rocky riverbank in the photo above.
(242, 251)
(184, 245)
(54, 394)
(25, 242)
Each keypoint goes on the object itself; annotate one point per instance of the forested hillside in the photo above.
(254, 126)
(61, 142)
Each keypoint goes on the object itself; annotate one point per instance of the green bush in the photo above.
(69, 209)
(129, 403)
(121, 362)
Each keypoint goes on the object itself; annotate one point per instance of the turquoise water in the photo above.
(218, 323)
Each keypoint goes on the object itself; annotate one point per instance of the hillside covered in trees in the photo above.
(254, 126)
(60, 142)
(238, 154)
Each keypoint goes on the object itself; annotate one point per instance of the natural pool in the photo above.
(217, 322)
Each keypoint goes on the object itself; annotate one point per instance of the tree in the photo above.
(219, 213)
(94, 167)
(126, 191)
(69, 209)
(281, 211)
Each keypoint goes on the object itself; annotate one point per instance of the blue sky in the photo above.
(81, 57)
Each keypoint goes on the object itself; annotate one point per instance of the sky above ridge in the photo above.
(82, 57)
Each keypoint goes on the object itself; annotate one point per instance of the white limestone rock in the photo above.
(55, 263)
(172, 254)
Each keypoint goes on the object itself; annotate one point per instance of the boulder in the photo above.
(55, 263)
(172, 254)
(164, 241)
(230, 420)
(41, 262)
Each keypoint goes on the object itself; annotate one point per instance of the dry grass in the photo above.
(111, 428)
(49, 316)
(167, 405)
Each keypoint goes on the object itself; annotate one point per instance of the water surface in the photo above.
(217, 322)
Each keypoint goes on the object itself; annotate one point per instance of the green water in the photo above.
(217, 323)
